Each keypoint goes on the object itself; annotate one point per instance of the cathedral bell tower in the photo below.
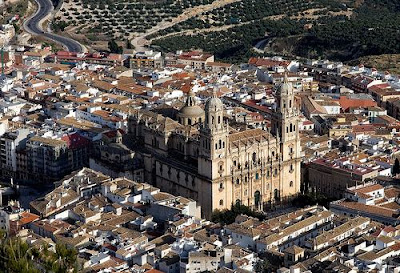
(285, 127)
(213, 137)
(286, 115)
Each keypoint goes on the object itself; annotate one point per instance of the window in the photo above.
(257, 198)
(221, 185)
(221, 202)
(291, 184)
(257, 176)
(237, 181)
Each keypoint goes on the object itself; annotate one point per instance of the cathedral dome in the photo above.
(214, 104)
(191, 111)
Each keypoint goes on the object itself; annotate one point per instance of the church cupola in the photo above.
(214, 110)
(191, 113)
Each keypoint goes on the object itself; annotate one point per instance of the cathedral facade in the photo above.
(201, 157)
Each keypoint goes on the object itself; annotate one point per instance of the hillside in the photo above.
(338, 30)
(385, 62)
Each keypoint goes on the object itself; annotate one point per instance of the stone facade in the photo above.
(212, 163)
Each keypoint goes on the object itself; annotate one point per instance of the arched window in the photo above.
(219, 119)
(294, 128)
(223, 144)
(237, 181)
(290, 103)
(220, 144)
(291, 127)
(257, 176)
(291, 183)
(238, 202)
(190, 121)
(254, 156)
(221, 202)
(216, 146)
(221, 185)
(212, 120)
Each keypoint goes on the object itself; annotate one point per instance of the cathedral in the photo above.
(200, 156)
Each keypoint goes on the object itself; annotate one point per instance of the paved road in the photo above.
(32, 25)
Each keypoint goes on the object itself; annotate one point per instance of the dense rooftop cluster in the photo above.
(120, 144)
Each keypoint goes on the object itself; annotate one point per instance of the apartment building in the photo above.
(333, 177)
(147, 59)
(49, 158)
(11, 144)
(195, 59)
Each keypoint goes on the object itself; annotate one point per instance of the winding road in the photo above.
(33, 25)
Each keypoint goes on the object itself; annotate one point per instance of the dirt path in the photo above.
(140, 42)
(308, 14)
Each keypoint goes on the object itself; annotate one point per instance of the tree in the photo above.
(129, 44)
(15, 256)
(228, 216)
(263, 266)
(396, 167)
(114, 47)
